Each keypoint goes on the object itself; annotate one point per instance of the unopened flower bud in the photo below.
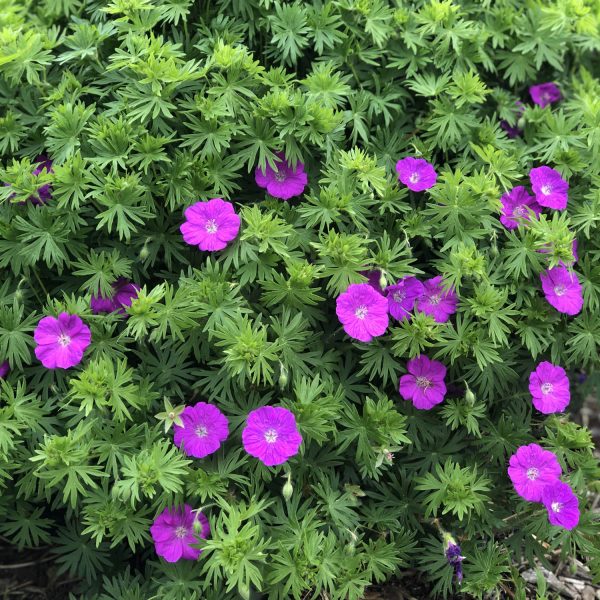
(470, 396)
(288, 489)
(383, 281)
(283, 376)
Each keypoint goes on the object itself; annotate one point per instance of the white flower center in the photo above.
(398, 296)
(201, 431)
(423, 382)
(280, 175)
(63, 340)
(435, 299)
(361, 312)
(414, 177)
(546, 189)
(211, 226)
(532, 474)
(271, 436)
(547, 388)
(556, 507)
(546, 97)
(521, 211)
(560, 290)
(181, 532)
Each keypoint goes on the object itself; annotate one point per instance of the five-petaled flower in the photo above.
(530, 469)
(424, 383)
(436, 301)
(61, 341)
(363, 312)
(402, 296)
(550, 189)
(203, 430)
(416, 174)
(210, 225)
(549, 388)
(544, 94)
(123, 293)
(517, 206)
(285, 181)
(562, 505)
(562, 290)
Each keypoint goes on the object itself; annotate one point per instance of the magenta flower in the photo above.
(204, 428)
(402, 296)
(530, 469)
(123, 293)
(61, 341)
(416, 173)
(562, 505)
(284, 183)
(562, 290)
(550, 189)
(374, 278)
(437, 302)
(175, 532)
(4, 369)
(549, 387)
(424, 383)
(362, 311)
(545, 93)
(271, 435)
(516, 207)
(210, 225)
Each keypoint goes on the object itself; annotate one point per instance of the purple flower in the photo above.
(284, 183)
(416, 173)
(210, 225)
(44, 193)
(61, 341)
(550, 189)
(424, 383)
(4, 369)
(530, 469)
(549, 387)
(123, 293)
(437, 302)
(204, 428)
(454, 557)
(271, 435)
(176, 530)
(512, 131)
(516, 207)
(562, 290)
(562, 505)
(402, 296)
(362, 311)
(544, 93)
(374, 278)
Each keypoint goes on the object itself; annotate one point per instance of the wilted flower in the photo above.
(204, 428)
(549, 387)
(61, 341)
(516, 207)
(416, 173)
(545, 93)
(175, 532)
(123, 293)
(562, 290)
(550, 189)
(402, 296)
(562, 505)
(436, 301)
(4, 369)
(454, 555)
(363, 312)
(171, 415)
(271, 435)
(424, 383)
(210, 225)
(374, 279)
(513, 131)
(530, 469)
(284, 183)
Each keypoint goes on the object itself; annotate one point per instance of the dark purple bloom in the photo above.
(284, 183)
(514, 131)
(545, 93)
(210, 225)
(562, 290)
(402, 296)
(454, 556)
(374, 278)
(204, 428)
(424, 383)
(175, 532)
(530, 469)
(517, 206)
(437, 302)
(44, 193)
(271, 435)
(416, 173)
(4, 369)
(549, 387)
(363, 312)
(61, 341)
(550, 189)
(562, 505)
(123, 293)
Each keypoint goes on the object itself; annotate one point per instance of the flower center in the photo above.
(556, 506)
(181, 532)
(423, 382)
(560, 290)
(546, 97)
(63, 340)
(280, 175)
(532, 474)
(547, 388)
(414, 177)
(398, 296)
(270, 436)
(435, 299)
(201, 431)
(211, 226)
(546, 189)
(521, 211)
(361, 312)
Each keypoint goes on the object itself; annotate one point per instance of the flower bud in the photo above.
(283, 376)
(383, 281)
(288, 488)
(470, 396)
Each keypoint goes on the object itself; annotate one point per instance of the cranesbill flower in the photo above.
(550, 189)
(204, 428)
(374, 278)
(454, 556)
(175, 532)
(549, 387)
(530, 469)
(424, 383)
(210, 225)
(271, 435)
(562, 505)
(562, 290)
(123, 293)
(363, 312)
(4, 369)
(61, 341)
(284, 183)
(416, 173)
(402, 296)
(516, 207)
(544, 93)
(436, 301)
